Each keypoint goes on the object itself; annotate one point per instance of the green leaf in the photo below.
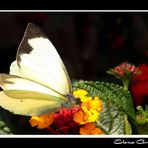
(128, 128)
(112, 121)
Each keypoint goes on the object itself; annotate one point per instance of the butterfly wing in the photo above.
(38, 60)
(29, 107)
(25, 97)
(11, 82)
(38, 79)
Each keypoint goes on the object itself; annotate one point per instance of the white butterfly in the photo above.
(38, 82)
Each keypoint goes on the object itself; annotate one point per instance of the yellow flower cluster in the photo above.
(91, 107)
(89, 113)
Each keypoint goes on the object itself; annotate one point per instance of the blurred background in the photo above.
(89, 43)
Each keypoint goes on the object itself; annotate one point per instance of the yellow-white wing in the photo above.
(11, 82)
(25, 97)
(29, 107)
(38, 60)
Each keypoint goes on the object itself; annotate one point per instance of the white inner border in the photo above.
(73, 10)
(73, 136)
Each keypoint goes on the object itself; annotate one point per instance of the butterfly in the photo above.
(38, 81)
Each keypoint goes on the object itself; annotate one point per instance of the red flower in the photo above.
(139, 86)
(124, 68)
(63, 121)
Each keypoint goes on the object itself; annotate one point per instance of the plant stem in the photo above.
(125, 84)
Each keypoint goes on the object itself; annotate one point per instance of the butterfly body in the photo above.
(38, 82)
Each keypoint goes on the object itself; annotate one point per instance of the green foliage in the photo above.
(142, 115)
(142, 120)
(112, 121)
(5, 123)
(117, 106)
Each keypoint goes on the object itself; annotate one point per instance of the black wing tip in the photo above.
(32, 30)
(31, 25)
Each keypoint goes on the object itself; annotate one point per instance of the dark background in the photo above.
(89, 43)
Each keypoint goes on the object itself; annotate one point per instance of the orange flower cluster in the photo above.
(90, 129)
(42, 121)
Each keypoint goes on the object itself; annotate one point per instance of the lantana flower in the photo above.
(89, 113)
(42, 121)
(63, 121)
(125, 71)
(90, 109)
(90, 129)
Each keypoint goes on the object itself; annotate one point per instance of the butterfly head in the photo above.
(71, 101)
